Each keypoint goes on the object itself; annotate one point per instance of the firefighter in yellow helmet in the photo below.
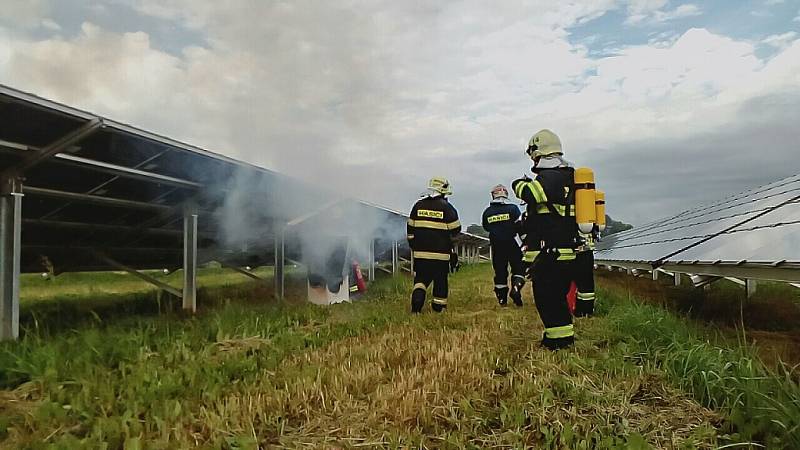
(550, 235)
(432, 225)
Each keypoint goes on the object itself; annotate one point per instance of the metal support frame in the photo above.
(190, 259)
(242, 271)
(395, 257)
(98, 227)
(93, 199)
(280, 247)
(10, 247)
(141, 275)
(782, 271)
(56, 146)
(371, 260)
(737, 281)
(106, 183)
(402, 260)
(704, 280)
(750, 287)
(125, 172)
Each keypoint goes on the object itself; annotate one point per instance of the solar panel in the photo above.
(122, 190)
(759, 225)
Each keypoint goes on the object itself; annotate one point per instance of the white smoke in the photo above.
(256, 205)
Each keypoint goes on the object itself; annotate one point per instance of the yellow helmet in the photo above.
(440, 185)
(544, 143)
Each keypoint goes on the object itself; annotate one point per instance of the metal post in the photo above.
(10, 244)
(655, 274)
(491, 256)
(395, 256)
(190, 260)
(750, 286)
(677, 278)
(372, 260)
(280, 243)
(412, 263)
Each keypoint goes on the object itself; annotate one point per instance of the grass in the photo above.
(249, 372)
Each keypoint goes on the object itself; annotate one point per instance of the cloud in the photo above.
(373, 100)
(780, 40)
(27, 14)
(773, 2)
(651, 12)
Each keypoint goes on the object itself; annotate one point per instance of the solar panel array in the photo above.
(112, 188)
(761, 225)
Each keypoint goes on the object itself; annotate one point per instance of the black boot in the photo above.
(502, 295)
(557, 344)
(417, 300)
(517, 283)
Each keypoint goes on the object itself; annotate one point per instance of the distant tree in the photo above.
(477, 230)
(614, 226)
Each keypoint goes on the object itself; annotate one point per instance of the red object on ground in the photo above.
(571, 297)
(360, 283)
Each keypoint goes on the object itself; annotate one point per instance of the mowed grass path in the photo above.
(257, 374)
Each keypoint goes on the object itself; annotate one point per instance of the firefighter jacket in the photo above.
(432, 225)
(499, 219)
(550, 224)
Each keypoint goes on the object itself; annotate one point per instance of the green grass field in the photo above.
(99, 370)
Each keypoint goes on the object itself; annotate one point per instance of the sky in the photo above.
(671, 103)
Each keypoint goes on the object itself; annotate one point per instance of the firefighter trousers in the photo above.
(583, 268)
(427, 271)
(507, 254)
(551, 281)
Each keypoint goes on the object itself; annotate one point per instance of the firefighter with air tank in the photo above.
(551, 230)
(432, 225)
(500, 221)
(583, 267)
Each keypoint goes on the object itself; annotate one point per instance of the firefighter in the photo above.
(432, 225)
(550, 235)
(583, 272)
(500, 221)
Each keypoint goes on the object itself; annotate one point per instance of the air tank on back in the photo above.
(585, 213)
(600, 209)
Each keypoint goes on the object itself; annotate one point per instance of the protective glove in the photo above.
(454, 264)
(514, 183)
(528, 270)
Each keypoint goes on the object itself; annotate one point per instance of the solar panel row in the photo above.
(100, 194)
(755, 228)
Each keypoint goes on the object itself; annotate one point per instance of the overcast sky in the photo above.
(672, 103)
